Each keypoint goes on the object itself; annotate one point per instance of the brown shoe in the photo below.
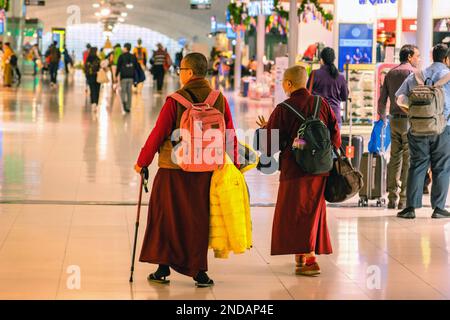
(308, 270)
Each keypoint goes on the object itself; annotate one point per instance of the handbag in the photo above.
(102, 77)
(344, 181)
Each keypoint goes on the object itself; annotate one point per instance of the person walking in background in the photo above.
(67, 60)
(328, 83)
(177, 233)
(91, 69)
(430, 149)
(160, 61)
(8, 53)
(36, 57)
(399, 163)
(114, 60)
(300, 224)
(142, 56)
(126, 69)
(54, 56)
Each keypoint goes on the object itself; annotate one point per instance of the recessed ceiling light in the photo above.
(105, 12)
(124, 14)
(96, 5)
(130, 6)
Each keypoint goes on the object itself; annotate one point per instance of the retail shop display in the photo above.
(361, 83)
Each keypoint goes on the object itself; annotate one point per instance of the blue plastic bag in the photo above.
(375, 139)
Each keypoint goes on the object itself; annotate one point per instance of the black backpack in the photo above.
(128, 67)
(312, 148)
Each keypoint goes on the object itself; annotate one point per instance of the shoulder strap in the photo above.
(419, 77)
(443, 81)
(318, 106)
(311, 82)
(294, 110)
(182, 100)
(212, 98)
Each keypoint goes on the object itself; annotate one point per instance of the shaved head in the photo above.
(297, 75)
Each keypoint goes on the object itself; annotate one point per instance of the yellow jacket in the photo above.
(230, 220)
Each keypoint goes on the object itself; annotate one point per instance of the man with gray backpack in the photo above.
(426, 96)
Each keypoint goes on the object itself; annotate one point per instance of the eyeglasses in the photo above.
(179, 70)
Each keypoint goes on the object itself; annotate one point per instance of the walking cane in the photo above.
(143, 185)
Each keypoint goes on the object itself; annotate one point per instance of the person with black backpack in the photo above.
(91, 68)
(126, 69)
(308, 131)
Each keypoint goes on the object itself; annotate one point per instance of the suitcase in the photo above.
(374, 171)
(358, 143)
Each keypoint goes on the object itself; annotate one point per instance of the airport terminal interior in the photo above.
(68, 187)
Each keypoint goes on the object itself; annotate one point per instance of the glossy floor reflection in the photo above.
(53, 149)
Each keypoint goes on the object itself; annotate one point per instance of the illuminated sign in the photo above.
(260, 7)
(375, 2)
(200, 4)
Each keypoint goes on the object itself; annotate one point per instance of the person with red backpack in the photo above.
(177, 233)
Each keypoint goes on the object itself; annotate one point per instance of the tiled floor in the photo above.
(54, 149)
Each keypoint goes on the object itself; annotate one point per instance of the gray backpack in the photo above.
(426, 106)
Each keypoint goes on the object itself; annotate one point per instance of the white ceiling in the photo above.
(174, 18)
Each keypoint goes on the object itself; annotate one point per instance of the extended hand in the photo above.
(261, 122)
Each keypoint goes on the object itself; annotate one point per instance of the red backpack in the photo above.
(201, 135)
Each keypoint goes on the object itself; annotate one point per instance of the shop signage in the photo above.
(355, 44)
(201, 4)
(260, 7)
(375, 2)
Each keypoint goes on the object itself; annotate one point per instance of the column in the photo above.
(293, 32)
(17, 12)
(238, 61)
(425, 30)
(399, 28)
(260, 46)
(336, 29)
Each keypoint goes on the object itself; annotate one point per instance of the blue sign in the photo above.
(355, 44)
(375, 2)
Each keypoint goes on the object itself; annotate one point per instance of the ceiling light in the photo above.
(97, 14)
(105, 12)
(124, 14)
(130, 6)
(121, 20)
(110, 27)
(96, 5)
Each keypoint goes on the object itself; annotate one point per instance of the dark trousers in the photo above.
(434, 150)
(53, 69)
(94, 87)
(159, 74)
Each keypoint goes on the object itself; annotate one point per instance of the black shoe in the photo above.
(408, 213)
(160, 276)
(440, 214)
(392, 204)
(203, 281)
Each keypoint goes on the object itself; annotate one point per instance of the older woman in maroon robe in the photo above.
(177, 233)
(300, 225)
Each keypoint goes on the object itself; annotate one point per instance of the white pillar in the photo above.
(398, 28)
(293, 32)
(425, 30)
(336, 30)
(238, 61)
(17, 11)
(260, 46)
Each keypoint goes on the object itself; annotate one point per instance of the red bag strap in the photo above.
(212, 98)
(311, 81)
(182, 100)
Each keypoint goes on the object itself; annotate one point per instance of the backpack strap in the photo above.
(419, 77)
(212, 98)
(318, 106)
(293, 110)
(443, 81)
(182, 100)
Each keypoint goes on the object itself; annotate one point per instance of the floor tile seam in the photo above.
(11, 228)
(65, 253)
(274, 274)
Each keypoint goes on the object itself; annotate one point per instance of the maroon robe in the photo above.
(300, 224)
